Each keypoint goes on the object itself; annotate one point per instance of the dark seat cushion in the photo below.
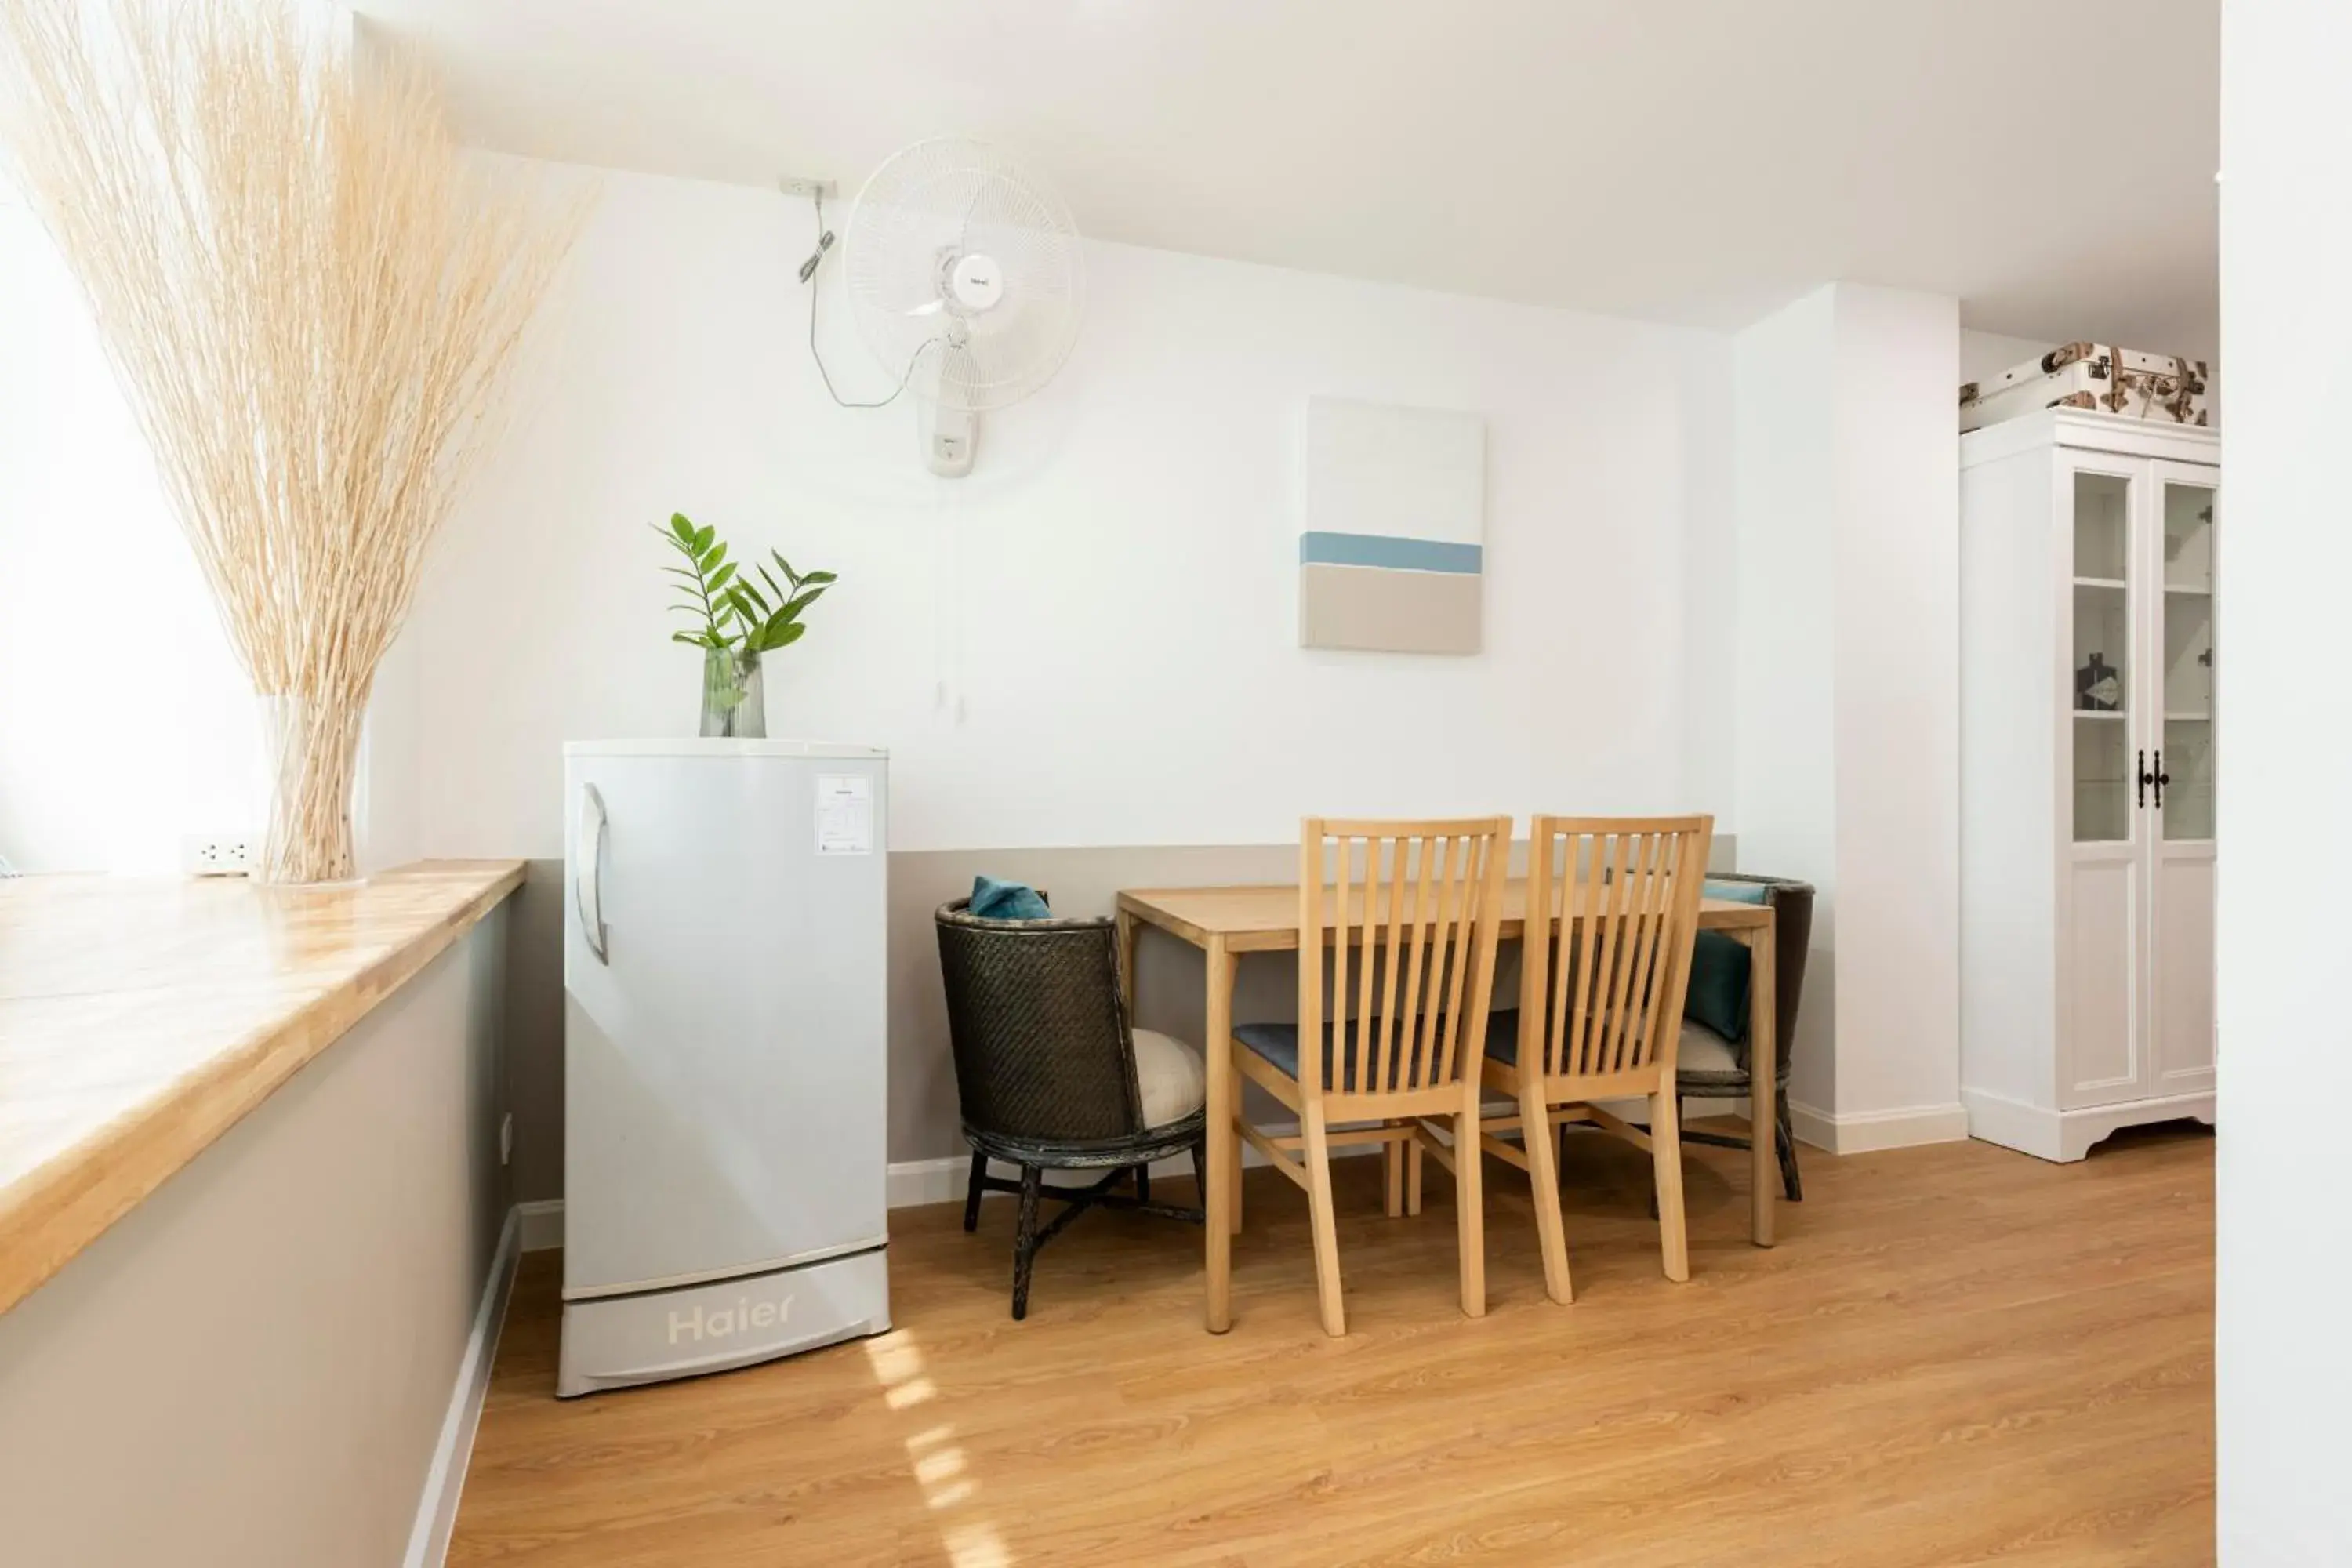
(1503, 1035)
(1704, 1059)
(1278, 1044)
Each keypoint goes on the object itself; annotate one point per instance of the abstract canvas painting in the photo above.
(1390, 549)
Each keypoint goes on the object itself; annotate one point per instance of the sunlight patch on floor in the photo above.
(938, 1466)
(977, 1546)
(934, 1455)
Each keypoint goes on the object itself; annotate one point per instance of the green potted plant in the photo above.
(738, 623)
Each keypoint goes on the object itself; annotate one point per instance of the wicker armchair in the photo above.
(1710, 1067)
(1052, 1077)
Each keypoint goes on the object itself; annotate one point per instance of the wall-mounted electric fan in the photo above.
(965, 279)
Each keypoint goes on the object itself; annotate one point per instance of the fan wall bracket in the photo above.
(949, 436)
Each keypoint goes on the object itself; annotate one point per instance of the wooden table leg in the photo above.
(1763, 1078)
(1129, 930)
(1217, 1051)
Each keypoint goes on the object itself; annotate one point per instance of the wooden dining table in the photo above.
(1225, 922)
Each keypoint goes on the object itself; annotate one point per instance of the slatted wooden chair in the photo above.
(1397, 926)
(1601, 1008)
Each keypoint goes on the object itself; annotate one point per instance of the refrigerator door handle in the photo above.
(587, 891)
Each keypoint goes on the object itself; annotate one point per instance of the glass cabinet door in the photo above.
(2187, 652)
(2104, 773)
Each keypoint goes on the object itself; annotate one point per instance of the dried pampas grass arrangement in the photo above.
(314, 303)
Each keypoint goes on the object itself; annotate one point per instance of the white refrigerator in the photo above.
(723, 1016)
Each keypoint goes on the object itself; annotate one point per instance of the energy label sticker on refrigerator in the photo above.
(844, 814)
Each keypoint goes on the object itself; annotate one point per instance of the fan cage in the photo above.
(927, 205)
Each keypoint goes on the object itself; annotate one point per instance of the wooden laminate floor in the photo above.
(1956, 1355)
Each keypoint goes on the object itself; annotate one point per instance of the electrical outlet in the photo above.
(217, 855)
(506, 1139)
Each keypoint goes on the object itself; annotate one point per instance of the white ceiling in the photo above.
(1701, 161)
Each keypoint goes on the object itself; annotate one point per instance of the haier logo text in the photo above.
(692, 1328)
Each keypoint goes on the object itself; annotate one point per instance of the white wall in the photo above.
(1847, 523)
(124, 720)
(2282, 1363)
(1987, 354)
(1092, 639)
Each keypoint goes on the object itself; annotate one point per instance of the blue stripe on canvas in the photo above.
(1383, 550)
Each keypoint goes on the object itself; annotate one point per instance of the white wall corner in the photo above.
(1846, 518)
(1897, 511)
(1784, 783)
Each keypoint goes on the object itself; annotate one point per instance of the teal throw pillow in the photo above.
(994, 899)
(1719, 976)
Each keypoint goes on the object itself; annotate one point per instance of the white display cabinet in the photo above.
(2087, 769)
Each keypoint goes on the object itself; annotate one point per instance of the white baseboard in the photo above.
(914, 1182)
(436, 1506)
(542, 1224)
(1863, 1131)
(2065, 1136)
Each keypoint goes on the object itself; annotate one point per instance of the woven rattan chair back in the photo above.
(1397, 933)
(1043, 1049)
(1603, 999)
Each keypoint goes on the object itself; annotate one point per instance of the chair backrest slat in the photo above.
(1367, 964)
(1455, 1058)
(1384, 1054)
(1418, 1032)
(1417, 924)
(1611, 897)
(1604, 997)
(1633, 987)
(1313, 896)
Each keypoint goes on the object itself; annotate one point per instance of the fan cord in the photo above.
(808, 276)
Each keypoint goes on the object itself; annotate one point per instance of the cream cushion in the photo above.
(1170, 1073)
(1701, 1049)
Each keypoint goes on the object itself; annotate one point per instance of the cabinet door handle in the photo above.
(2145, 778)
(588, 874)
(2162, 778)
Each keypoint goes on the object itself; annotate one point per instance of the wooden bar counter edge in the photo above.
(142, 1017)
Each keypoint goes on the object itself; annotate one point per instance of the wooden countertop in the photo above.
(141, 1017)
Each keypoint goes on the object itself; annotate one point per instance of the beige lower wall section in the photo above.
(924, 1124)
(923, 1120)
(250, 1369)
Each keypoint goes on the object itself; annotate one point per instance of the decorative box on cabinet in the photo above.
(2157, 387)
(2087, 727)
